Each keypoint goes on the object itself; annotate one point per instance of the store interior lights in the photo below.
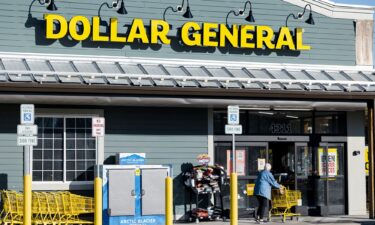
(50, 4)
(255, 108)
(310, 20)
(241, 12)
(180, 9)
(292, 109)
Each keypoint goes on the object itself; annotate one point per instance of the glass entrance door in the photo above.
(248, 154)
(331, 172)
(304, 173)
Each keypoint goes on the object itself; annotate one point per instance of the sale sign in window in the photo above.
(328, 162)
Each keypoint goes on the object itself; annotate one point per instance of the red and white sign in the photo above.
(98, 127)
(240, 162)
(203, 159)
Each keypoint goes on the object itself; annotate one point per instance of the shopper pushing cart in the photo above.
(262, 190)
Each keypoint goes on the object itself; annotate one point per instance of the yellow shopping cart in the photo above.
(47, 208)
(283, 201)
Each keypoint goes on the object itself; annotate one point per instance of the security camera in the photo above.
(114, 4)
(179, 8)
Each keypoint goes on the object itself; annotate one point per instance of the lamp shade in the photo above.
(310, 20)
(52, 6)
(188, 14)
(250, 17)
(122, 9)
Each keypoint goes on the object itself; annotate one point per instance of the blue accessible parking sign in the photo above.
(233, 114)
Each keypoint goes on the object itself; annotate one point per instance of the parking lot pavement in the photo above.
(341, 220)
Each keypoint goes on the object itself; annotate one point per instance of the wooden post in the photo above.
(371, 138)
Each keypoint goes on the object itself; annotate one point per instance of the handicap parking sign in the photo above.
(27, 114)
(27, 117)
(233, 117)
(233, 114)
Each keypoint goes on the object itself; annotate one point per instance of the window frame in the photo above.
(69, 113)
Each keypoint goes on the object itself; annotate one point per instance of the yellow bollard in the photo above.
(168, 201)
(98, 201)
(27, 199)
(233, 199)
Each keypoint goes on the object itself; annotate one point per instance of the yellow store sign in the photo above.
(192, 33)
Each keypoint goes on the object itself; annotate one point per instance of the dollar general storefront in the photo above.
(162, 75)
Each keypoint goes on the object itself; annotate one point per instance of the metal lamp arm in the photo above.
(304, 10)
(32, 5)
(251, 6)
(287, 18)
(171, 8)
(104, 4)
(175, 10)
(183, 3)
(300, 15)
(232, 11)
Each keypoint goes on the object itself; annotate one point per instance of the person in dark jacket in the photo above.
(262, 190)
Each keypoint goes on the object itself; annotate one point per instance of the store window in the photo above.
(280, 122)
(268, 122)
(330, 123)
(66, 151)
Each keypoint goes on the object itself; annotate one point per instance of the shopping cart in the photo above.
(47, 208)
(283, 201)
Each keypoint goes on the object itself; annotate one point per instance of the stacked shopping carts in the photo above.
(283, 201)
(47, 208)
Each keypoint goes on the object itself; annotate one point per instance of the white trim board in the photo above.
(337, 10)
(182, 62)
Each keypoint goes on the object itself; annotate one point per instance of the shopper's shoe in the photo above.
(261, 221)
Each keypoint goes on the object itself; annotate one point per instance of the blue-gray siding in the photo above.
(332, 40)
(167, 136)
(11, 156)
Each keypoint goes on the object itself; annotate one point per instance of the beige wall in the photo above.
(364, 42)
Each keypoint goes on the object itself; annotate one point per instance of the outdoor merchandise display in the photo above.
(206, 182)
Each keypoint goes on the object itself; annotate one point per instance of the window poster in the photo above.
(240, 162)
(328, 163)
(261, 164)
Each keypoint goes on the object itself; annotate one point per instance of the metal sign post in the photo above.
(26, 137)
(233, 128)
(98, 130)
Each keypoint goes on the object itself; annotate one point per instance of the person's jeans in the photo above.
(262, 204)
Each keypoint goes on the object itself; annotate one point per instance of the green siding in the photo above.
(11, 159)
(332, 40)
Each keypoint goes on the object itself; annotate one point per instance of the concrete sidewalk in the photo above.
(340, 220)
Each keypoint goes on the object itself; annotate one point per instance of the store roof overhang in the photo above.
(195, 83)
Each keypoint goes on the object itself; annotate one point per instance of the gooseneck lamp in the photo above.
(180, 8)
(310, 20)
(249, 18)
(50, 4)
(120, 10)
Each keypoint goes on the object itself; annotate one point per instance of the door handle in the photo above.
(143, 192)
(132, 193)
